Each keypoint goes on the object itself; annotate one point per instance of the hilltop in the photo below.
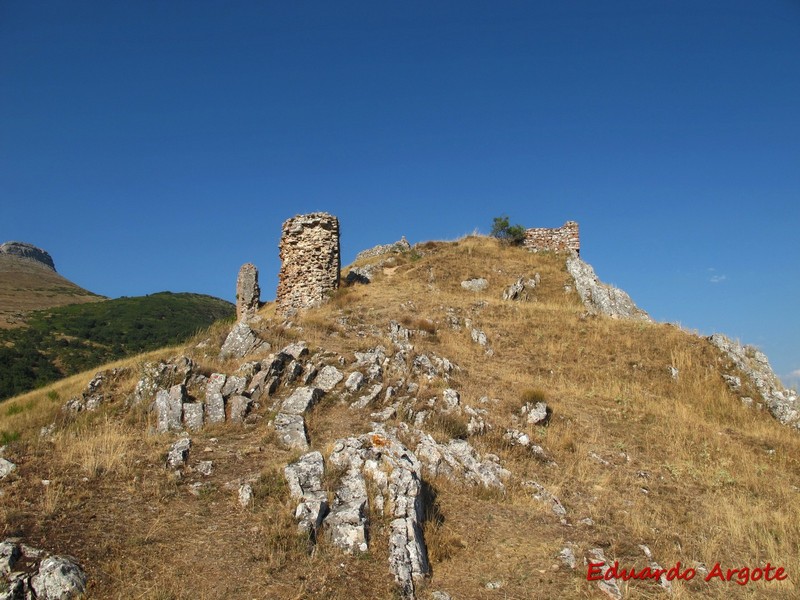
(458, 419)
(29, 281)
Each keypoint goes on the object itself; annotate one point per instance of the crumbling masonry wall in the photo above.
(561, 239)
(310, 261)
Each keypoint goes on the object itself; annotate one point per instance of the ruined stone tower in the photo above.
(310, 262)
(248, 294)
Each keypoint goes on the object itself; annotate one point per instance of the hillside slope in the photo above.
(434, 444)
(68, 339)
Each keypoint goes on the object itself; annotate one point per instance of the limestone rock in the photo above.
(537, 414)
(193, 415)
(522, 288)
(291, 431)
(296, 350)
(215, 403)
(599, 297)
(304, 478)
(6, 468)
(310, 261)
(567, 557)
(234, 386)
(240, 406)
(368, 398)
(205, 468)
(781, 402)
(458, 459)
(241, 341)
(301, 400)
(9, 554)
(451, 399)
(354, 381)
(475, 285)
(400, 246)
(59, 578)
(179, 453)
(245, 495)
(248, 294)
(169, 408)
(328, 378)
(27, 251)
(161, 375)
(541, 494)
(610, 588)
(359, 275)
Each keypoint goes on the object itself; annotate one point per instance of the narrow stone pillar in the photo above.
(248, 294)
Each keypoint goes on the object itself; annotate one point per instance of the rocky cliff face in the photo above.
(28, 252)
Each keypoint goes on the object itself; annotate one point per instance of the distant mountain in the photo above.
(69, 339)
(29, 281)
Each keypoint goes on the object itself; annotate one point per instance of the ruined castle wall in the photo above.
(310, 261)
(561, 239)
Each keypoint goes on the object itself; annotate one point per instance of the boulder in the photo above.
(475, 285)
(59, 578)
(241, 341)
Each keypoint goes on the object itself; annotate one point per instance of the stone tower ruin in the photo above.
(310, 261)
(560, 239)
(248, 294)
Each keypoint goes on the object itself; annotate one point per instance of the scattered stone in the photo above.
(537, 414)
(438, 595)
(328, 378)
(517, 438)
(161, 375)
(384, 415)
(494, 585)
(663, 580)
(6, 468)
(542, 495)
(241, 341)
(610, 587)
(205, 468)
(673, 372)
(296, 350)
(475, 285)
(179, 453)
(245, 495)
(522, 288)
(248, 294)
(310, 262)
(567, 557)
(599, 459)
(588, 521)
(59, 578)
(9, 554)
(291, 430)
(451, 399)
(354, 381)
(599, 297)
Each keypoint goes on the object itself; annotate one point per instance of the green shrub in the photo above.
(510, 234)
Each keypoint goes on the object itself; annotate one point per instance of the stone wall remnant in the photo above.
(560, 239)
(248, 294)
(310, 261)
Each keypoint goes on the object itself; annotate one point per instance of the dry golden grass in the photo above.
(678, 465)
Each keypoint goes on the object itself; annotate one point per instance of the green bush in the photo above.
(510, 234)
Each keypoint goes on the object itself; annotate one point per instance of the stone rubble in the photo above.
(6, 468)
(42, 577)
(477, 284)
(179, 453)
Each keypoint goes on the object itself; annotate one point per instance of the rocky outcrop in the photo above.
(290, 424)
(25, 574)
(476, 284)
(400, 246)
(522, 288)
(304, 478)
(248, 294)
(599, 297)
(781, 402)
(241, 341)
(310, 262)
(28, 252)
(459, 460)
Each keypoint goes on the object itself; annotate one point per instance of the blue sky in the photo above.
(159, 145)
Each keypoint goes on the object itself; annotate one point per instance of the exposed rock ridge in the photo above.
(400, 246)
(600, 297)
(28, 252)
(781, 402)
(310, 261)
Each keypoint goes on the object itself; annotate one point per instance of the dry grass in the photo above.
(679, 465)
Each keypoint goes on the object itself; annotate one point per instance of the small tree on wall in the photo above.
(510, 234)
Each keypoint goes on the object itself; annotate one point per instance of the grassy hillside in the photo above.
(26, 285)
(70, 339)
(635, 456)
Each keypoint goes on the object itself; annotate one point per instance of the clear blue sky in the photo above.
(156, 145)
